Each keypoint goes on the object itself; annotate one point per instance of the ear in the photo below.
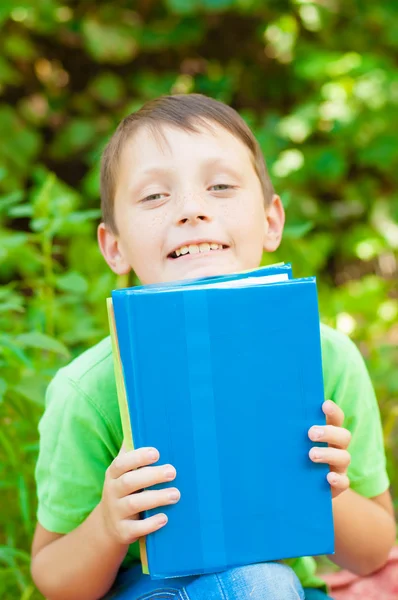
(274, 222)
(110, 247)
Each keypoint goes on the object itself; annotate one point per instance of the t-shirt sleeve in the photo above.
(354, 392)
(77, 445)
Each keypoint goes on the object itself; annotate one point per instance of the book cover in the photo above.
(225, 379)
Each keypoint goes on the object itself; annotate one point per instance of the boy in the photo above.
(185, 193)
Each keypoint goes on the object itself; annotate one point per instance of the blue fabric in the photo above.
(313, 594)
(266, 581)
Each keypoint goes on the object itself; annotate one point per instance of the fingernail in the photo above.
(169, 473)
(317, 433)
(153, 454)
(315, 453)
(162, 520)
(174, 496)
(333, 479)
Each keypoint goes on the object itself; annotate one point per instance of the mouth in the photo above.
(197, 249)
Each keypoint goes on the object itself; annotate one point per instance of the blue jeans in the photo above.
(265, 581)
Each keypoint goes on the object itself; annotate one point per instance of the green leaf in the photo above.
(3, 388)
(327, 164)
(7, 307)
(76, 135)
(171, 32)
(23, 497)
(297, 230)
(8, 75)
(23, 142)
(82, 216)
(8, 346)
(151, 85)
(382, 152)
(24, 210)
(19, 47)
(8, 448)
(108, 88)
(72, 282)
(219, 5)
(41, 341)
(9, 200)
(11, 240)
(32, 388)
(8, 555)
(286, 198)
(183, 7)
(109, 43)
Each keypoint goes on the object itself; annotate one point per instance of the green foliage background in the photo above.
(317, 81)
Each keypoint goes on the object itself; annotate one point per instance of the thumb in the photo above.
(127, 446)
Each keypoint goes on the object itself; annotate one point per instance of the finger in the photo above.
(334, 414)
(134, 459)
(137, 503)
(336, 458)
(133, 481)
(338, 481)
(330, 434)
(132, 530)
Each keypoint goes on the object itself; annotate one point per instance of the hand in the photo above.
(336, 455)
(123, 499)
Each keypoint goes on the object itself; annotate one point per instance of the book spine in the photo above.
(136, 420)
(120, 385)
(126, 416)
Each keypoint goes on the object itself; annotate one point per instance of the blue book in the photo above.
(224, 377)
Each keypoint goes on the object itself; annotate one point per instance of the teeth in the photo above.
(196, 248)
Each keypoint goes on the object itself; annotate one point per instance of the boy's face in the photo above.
(190, 205)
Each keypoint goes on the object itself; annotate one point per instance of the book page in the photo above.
(233, 283)
(249, 281)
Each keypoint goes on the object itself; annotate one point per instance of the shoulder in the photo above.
(87, 386)
(94, 362)
(91, 371)
(337, 346)
(343, 364)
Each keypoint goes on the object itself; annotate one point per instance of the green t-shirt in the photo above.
(81, 433)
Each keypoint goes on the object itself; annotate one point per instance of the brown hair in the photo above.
(182, 111)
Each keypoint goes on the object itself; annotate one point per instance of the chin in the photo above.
(208, 271)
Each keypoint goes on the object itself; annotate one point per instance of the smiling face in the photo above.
(188, 205)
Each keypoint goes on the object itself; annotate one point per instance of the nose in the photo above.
(193, 208)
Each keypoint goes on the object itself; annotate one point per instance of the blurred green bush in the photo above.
(322, 98)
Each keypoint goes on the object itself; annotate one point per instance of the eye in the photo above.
(153, 197)
(221, 187)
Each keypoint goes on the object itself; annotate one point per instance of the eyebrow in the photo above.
(149, 171)
(218, 163)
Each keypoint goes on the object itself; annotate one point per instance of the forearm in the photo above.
(364, 533)
(81, 565)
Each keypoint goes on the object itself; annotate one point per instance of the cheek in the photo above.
(246, 218)
(142, 236)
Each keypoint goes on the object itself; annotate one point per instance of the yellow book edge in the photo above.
(124, 410)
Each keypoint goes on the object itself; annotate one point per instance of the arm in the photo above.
(364, 531)
(83, 563)
(364, 528)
